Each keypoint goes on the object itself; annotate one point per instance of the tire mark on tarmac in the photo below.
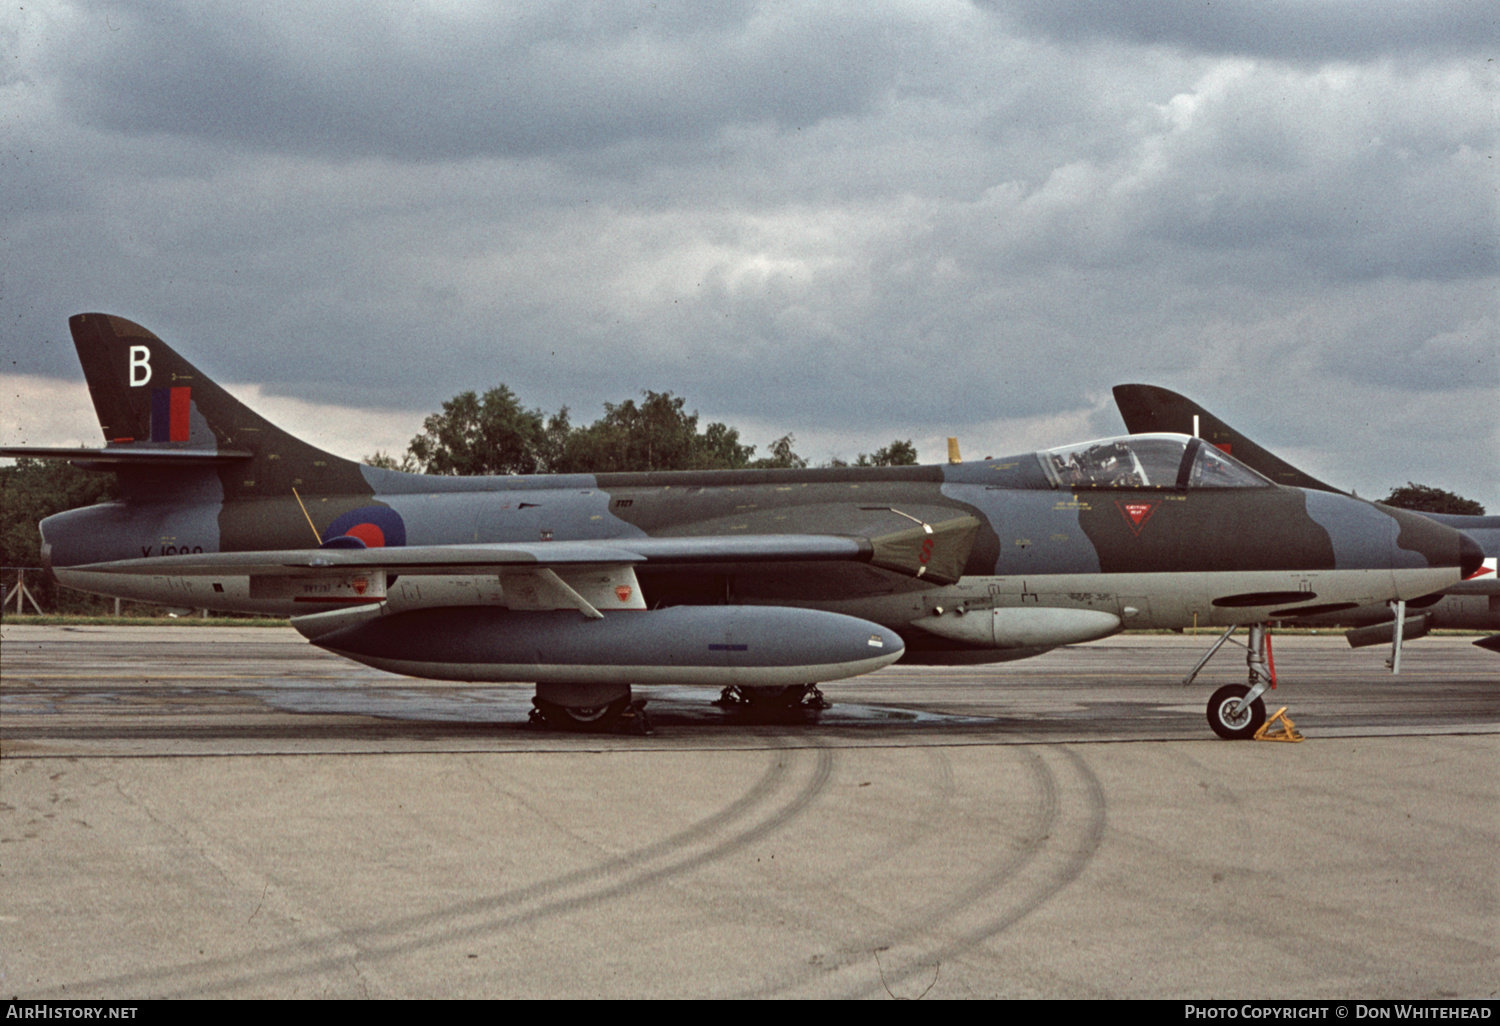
(935, 805)
(1040, 820)
(1063, 836)
(1077, 850)
(611, 879)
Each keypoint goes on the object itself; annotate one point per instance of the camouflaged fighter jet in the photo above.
(1471, 604)
(768, 581)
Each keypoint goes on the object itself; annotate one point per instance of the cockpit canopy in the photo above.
(1146, 461)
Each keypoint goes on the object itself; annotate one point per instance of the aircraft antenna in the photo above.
(308, 516)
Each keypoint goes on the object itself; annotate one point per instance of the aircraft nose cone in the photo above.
(1470, 556)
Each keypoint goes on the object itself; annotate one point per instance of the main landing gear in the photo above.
(774, 703)
(589, 709)
(1236, 711)
(611, 708)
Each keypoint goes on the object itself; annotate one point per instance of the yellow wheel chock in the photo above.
(1287, 731)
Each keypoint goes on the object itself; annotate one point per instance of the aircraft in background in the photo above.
(769, 581)
(1472, 604)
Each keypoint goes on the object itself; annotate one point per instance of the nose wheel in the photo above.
(1231, 716)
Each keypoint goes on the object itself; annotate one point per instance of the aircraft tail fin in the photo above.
(1148, 408)
(160, 412)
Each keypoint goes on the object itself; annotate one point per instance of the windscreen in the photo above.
(1146, 461)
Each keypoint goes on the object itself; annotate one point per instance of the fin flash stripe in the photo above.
(169, 414)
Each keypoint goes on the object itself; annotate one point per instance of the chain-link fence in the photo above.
(31, 591)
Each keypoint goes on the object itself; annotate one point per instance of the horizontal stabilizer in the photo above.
(106, 459)
(1492, 642)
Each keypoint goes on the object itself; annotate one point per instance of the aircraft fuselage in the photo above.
(1157, 557)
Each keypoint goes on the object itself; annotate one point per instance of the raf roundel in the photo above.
(375, 526)
(370, 534)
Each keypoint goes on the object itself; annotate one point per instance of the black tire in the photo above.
(1225, 723)
(580, 719)
(773, 696)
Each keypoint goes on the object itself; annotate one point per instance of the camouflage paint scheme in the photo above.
(966, 562)
(1471, 604)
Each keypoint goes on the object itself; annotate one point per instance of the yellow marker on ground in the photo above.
(1286, 732)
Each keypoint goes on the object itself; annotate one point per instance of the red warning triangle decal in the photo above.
(1136, 513)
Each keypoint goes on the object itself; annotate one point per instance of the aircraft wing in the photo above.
(416, 559)
(936, 552)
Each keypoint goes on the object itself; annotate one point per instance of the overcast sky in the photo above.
(853, 222)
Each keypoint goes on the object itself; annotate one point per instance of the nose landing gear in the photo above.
(1236, 711)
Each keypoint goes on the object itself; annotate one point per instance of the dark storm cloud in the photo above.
(1293, 30)
(428, 82)
(1341, 216)
(845, 222)
(1275, 173)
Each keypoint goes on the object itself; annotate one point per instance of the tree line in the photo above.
(30, 491)
(494, 433)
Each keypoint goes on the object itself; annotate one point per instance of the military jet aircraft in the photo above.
(766, 580)
(1472, 604)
